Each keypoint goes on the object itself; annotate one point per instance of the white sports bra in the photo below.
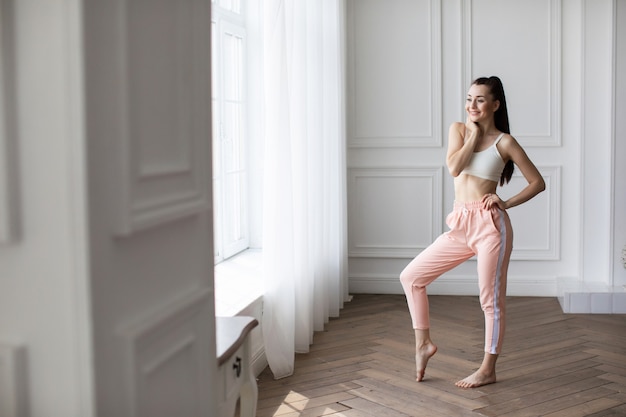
(487, 164)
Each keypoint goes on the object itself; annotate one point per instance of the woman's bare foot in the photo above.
(486, 374)
(477, 379)
(422, 355)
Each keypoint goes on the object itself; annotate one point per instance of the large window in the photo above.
(230, 192)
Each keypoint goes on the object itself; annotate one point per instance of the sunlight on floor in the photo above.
(297, 405)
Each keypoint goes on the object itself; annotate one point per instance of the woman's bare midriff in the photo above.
(470, 188)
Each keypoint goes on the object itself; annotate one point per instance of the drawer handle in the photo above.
(237, 366)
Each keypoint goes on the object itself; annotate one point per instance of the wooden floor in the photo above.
(363, 364)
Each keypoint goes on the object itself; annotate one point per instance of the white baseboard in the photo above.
(259, 362)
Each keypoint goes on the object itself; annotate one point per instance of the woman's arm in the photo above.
(512, 150)
(462, 140)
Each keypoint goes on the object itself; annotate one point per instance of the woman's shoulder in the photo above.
(508, 140)
(508, 145)
(457, 128)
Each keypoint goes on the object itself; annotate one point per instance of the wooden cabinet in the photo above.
(235, 377)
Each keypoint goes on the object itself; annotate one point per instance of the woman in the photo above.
(481, 154)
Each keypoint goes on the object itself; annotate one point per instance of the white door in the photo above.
(148, 136)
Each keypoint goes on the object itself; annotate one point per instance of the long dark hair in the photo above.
(501, 118)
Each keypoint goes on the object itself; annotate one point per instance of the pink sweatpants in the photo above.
(473, 231)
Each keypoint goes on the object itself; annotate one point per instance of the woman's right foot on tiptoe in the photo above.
(422, 354)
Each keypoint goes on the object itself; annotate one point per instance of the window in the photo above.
(230, 163)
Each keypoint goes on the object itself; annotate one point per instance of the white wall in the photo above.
(43, 289)
(410, 64)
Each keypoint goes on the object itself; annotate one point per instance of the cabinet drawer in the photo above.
(233, 374)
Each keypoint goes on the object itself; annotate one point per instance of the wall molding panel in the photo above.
(538, 240)
(163, 141)
(13, 380)
(394, 105)
(394, 212)
(534, 101)
(168, 350)
(598, 130)
(559, 63)
(8, 126)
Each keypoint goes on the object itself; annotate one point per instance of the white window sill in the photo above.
(238, 282)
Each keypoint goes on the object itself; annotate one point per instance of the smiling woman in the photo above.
(481, 152)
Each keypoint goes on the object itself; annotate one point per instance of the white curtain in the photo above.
(304, 210)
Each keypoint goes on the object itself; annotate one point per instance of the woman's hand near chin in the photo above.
(472, 128)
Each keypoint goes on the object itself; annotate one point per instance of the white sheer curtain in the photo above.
(304, 210)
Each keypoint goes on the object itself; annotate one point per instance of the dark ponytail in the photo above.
(501, 118)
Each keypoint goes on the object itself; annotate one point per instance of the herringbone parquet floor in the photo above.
(363, 364)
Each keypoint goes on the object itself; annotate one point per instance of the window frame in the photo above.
(226, 23)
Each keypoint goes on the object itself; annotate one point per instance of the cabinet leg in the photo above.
(249, 395)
